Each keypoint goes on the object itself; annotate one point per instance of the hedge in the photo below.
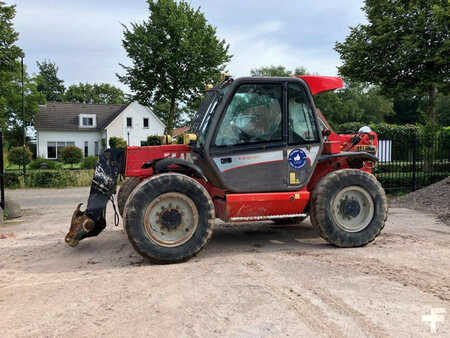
(383, 130)
(49, 178)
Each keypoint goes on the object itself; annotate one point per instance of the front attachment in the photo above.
(92, 221)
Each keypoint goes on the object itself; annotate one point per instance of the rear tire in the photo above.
(348, 208)
(169, 218)
(125, 190)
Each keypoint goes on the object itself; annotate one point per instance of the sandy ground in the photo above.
(251, 280)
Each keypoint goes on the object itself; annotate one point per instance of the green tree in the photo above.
(11, 120)
(404, 46)
(48, 82)
(275, 71)
(16, 155)
(443, 109)
(174, 54)
(356, 102)
(9, 51)
(71, 155)
(94, 93)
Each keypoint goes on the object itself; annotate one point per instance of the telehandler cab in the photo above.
(257, 150)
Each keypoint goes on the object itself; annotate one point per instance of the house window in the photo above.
(96, 148)
(51, 150)
(145, 122)
(88, 121)
(86, 149)
(54, 148)
(129, 122)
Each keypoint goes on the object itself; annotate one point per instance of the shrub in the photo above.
(15, 155)
(180, 139)
(71, 155)
(89, 162)
(36, 164)
(153, 140)
(117, 142)
(49, 179)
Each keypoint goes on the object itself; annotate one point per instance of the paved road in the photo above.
(252, 280)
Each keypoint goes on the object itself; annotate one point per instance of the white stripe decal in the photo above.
(259, 218)
(248, 159)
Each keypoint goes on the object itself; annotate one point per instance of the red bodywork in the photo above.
(258, 206)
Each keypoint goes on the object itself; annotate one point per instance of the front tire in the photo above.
(125, 190)
(169, 218)
(348, 208)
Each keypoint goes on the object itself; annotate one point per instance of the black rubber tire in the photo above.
(125, 190)
(292, 220)
(144, 194)
(321, 214)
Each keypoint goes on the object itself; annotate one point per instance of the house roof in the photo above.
(179, 131)
(64, 116)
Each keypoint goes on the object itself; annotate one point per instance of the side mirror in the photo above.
(326, 132)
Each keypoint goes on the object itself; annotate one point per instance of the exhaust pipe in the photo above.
(92, 221)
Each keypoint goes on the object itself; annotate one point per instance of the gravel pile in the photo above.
(435, 199)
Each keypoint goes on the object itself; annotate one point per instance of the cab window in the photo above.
(301, 124)
(254, 115)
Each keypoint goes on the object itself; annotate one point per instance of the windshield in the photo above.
(206, 110)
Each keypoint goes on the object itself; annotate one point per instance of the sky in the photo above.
(84, 37)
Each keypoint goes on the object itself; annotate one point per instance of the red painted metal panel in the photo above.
(137, 156)
(319, 84)
(266, 204)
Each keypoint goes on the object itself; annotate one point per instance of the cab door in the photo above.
(303, 137)
(248, 148)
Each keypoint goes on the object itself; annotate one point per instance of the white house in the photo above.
(86, 125)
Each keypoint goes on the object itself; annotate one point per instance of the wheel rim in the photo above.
(352, 209)
(171, 219)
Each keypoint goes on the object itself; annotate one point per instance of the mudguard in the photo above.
(162, 166)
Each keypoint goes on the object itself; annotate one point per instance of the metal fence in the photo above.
(410, 163)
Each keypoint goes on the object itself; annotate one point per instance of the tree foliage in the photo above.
(272, 71)
(355, 102)
(174, 54)
(16, 155)
(11, 120)
(48, 82)
(94, 93)
(278, 71)
(404, 46)
(117, 142)
(9, 51)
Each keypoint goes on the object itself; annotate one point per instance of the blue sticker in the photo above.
(297, 158)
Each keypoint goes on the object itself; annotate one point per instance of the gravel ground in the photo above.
(252, 280)
(433, 199)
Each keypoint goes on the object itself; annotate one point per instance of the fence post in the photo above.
(414, 164)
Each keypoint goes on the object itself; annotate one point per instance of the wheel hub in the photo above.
(170, 219)
(350, 207)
